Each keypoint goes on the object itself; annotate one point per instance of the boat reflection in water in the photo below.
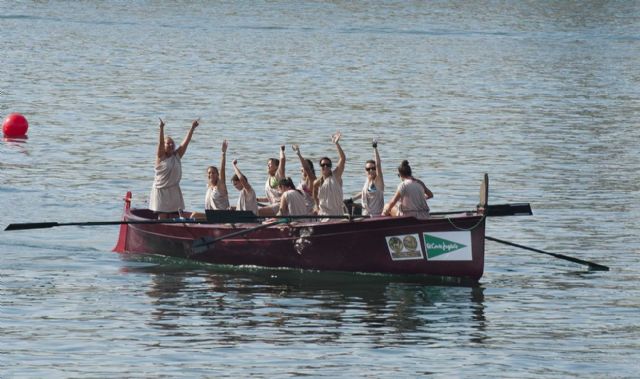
(248, 305)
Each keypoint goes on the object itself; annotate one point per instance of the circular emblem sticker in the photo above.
(410, 243)
(395, 244)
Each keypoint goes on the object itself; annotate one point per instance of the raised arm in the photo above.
(311, 177)
(160, 152)
(222, 180)
(281, 166)
(342, 158)
(379, 177)
(243, 179)
(185, 142)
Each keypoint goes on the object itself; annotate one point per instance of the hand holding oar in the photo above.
(592, 266)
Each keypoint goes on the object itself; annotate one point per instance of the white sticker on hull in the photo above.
(403, 247)
(448, 246)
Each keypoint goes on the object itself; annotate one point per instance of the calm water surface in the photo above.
(543, 96)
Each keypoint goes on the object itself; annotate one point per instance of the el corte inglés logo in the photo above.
(438, 246)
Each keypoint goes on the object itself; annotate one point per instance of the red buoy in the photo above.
(15, 125)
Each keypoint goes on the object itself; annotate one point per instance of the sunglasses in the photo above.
(370, 168)
(325, 164)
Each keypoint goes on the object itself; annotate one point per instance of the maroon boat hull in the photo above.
(450, 246)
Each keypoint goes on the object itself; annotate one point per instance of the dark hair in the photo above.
(325, 159)
(275, 161)
(404, 169)
(286, 182)
(235, 178)
(370, 161)
(310, 163)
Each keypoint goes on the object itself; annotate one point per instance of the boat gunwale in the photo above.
(130, 215)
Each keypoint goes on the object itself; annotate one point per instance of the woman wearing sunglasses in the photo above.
(372, 193)
(327, 189)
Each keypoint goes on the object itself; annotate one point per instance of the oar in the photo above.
(230, 218)
(493, 210)
(202, 244)
(43, 225)
(592, 266)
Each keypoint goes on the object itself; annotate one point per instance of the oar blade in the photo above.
(516, 209)
(32, 225)
(591, 265)
(201, 245)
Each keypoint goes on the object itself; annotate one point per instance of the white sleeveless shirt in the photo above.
(296, 205)
(372, 198)
(215, 199)
(166, 195)
(330, 197)
(247, 201)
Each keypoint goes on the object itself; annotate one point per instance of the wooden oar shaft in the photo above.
(246, 231)
(594, 266)
(201, 245)
(301, 217)
(43, 225)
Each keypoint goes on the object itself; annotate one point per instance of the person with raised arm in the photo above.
(247, 200)
(327, 189)
(372, 193)
(307, 179)
(166, 196)
(275, 172)
(217, 196)
(411, 196)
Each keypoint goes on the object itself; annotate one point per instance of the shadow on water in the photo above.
(279, 305)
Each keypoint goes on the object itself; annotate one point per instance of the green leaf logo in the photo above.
(438, 246)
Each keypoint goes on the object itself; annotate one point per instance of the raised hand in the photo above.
(336, 137)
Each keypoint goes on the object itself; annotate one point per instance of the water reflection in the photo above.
(15, 144)
(278, 306)
(18, 140)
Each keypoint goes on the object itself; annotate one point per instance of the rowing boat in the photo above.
(449, 244)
